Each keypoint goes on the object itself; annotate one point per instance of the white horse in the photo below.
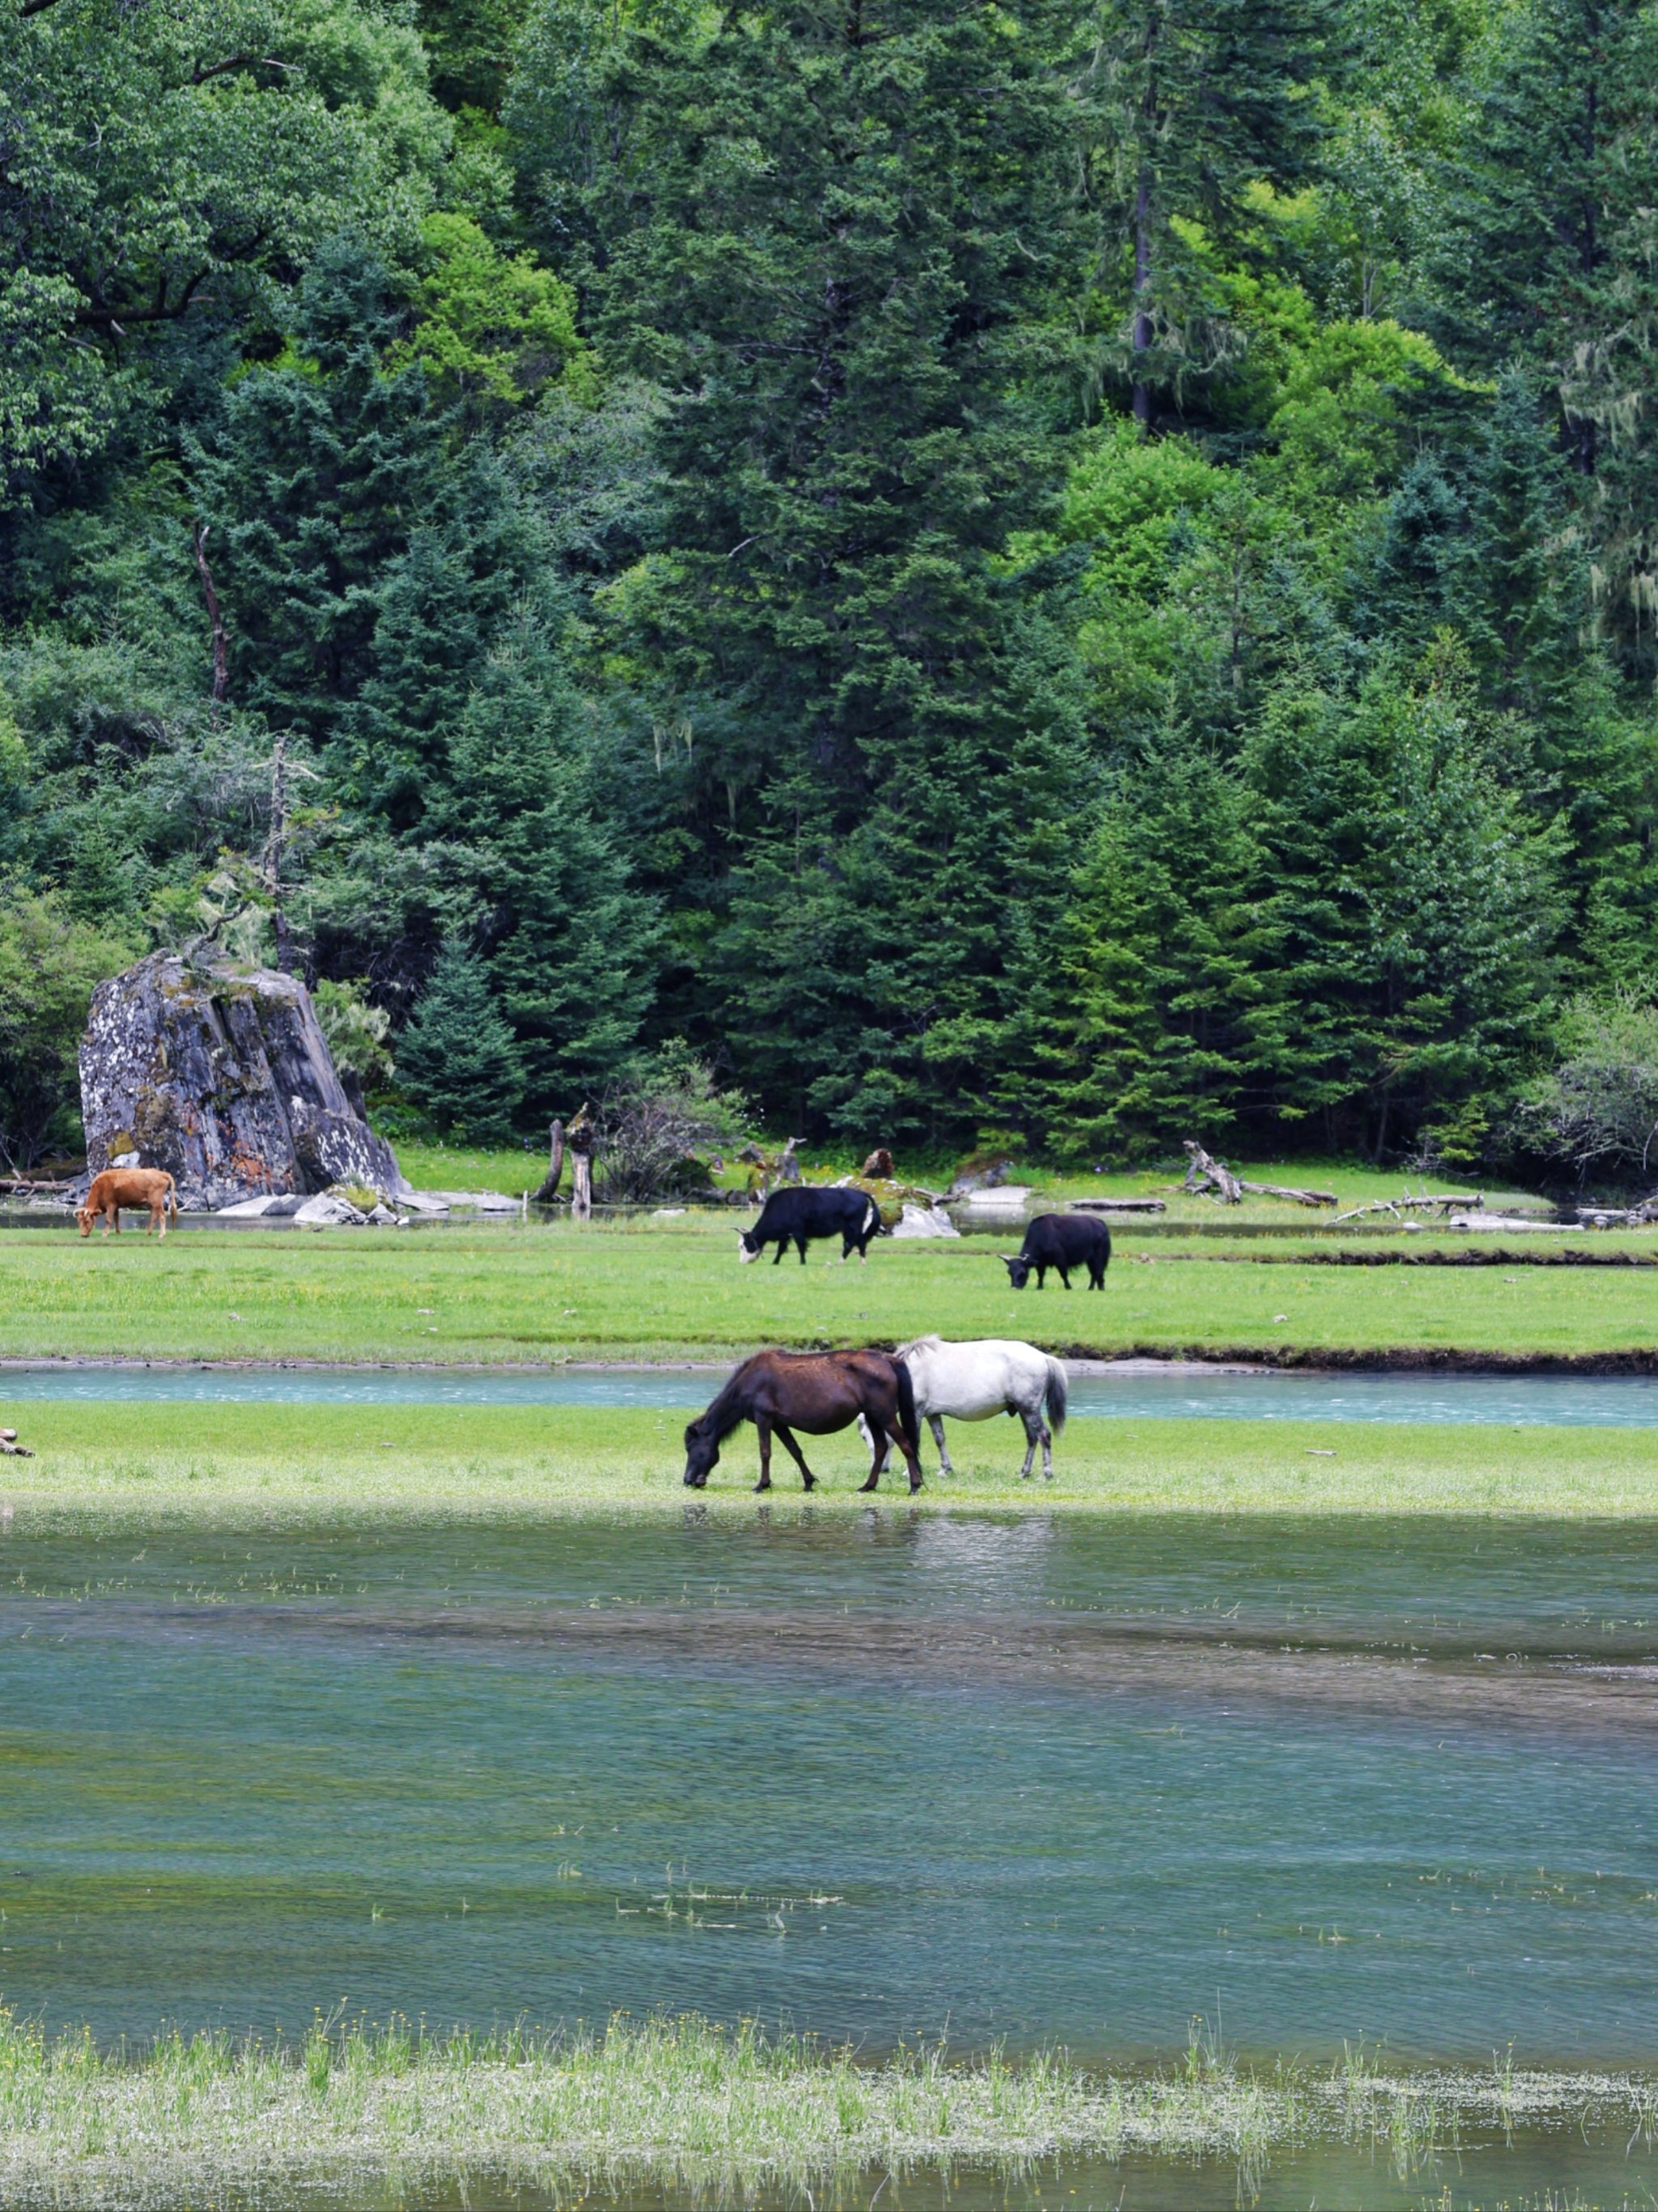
(972, 1381)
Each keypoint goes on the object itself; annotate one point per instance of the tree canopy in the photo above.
(1063, 572)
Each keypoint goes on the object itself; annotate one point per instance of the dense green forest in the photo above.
(1061, 574)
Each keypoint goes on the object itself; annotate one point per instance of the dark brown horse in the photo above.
(815, 1392)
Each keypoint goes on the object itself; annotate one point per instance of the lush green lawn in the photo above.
(253, 1462)
(675, 1290)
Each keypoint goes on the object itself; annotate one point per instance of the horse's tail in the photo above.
(1056, 1394)
(908, 1426)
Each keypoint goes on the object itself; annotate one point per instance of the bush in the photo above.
(655, 1129)
(1597, 1108)
(49, 965)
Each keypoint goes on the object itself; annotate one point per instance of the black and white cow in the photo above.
(804, 1210)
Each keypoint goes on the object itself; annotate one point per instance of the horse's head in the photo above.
(701, 1452)
(1018, 1269)
(748, 1247)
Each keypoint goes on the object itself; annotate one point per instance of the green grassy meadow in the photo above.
(253, 1463)
(673, 1290)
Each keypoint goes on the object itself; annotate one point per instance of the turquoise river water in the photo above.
(1018, 1777)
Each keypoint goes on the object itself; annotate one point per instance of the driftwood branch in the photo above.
(1203, 1172)
(1444, 1199)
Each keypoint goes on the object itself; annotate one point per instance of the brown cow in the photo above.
(118, 1187)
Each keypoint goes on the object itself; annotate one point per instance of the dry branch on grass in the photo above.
(1204, 1171)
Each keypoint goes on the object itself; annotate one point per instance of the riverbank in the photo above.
(233, 1464)
(674, 1295)
(680, 2103)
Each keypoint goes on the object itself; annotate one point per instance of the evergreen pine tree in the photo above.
(572, 942)
(456, 1058)
(1184, 105)
(839, 236)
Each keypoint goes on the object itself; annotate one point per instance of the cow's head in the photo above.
(701, 1452)
(1018, 1269)
(748, 1247)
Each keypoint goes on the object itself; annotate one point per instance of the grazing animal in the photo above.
(795, 1216)
(972, 1381)
(1062, 1241)
(878, 1167)
(118, 1187)
(818, 1393)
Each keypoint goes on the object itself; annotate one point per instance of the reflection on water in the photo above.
(1178, 1392)
(1531, 2172)
(879, 1777)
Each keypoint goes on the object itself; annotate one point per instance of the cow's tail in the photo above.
(173, 1200)
(1057, 1395)
(871, 1222)
(909, 1426)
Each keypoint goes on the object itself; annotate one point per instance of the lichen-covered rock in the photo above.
(223, 1075)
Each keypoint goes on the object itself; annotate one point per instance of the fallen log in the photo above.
(1119, 1205)
(1470, 1202)
(1203, 1170)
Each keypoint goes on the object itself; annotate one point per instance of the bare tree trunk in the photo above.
(221, 653)
(578, 1138)
(275, 848)
(548, 1190)
(1142, 338)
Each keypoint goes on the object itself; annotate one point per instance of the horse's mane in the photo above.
(918, 1343)
(727, 1412)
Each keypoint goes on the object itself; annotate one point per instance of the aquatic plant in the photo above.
(682, 2102)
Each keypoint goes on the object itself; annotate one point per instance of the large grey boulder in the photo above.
(222, 1074)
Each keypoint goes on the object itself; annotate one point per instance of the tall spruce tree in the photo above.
(839, 237)
(1548, 260)
(456, 1058)
(571, 943)
(1185, 103)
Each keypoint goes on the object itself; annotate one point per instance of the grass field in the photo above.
(673, 1289)
(253, 1463)
(681, 2104)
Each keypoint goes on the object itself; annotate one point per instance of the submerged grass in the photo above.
(673, 1291)
(249, 1463)
(683, 2101)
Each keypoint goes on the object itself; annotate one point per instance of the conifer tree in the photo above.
(456, 1058)
(572, 943)
(838, 235)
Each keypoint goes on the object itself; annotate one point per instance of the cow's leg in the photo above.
(794, 1453)
(935, 1422)
(782, 1247)
(800, 1242)
(1063, 1272)
(1042, 1274)
(762, 1429)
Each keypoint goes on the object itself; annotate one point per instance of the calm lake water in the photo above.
(1177, 1392)
(1018, 1777)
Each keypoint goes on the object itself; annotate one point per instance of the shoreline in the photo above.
(1080, 1359)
